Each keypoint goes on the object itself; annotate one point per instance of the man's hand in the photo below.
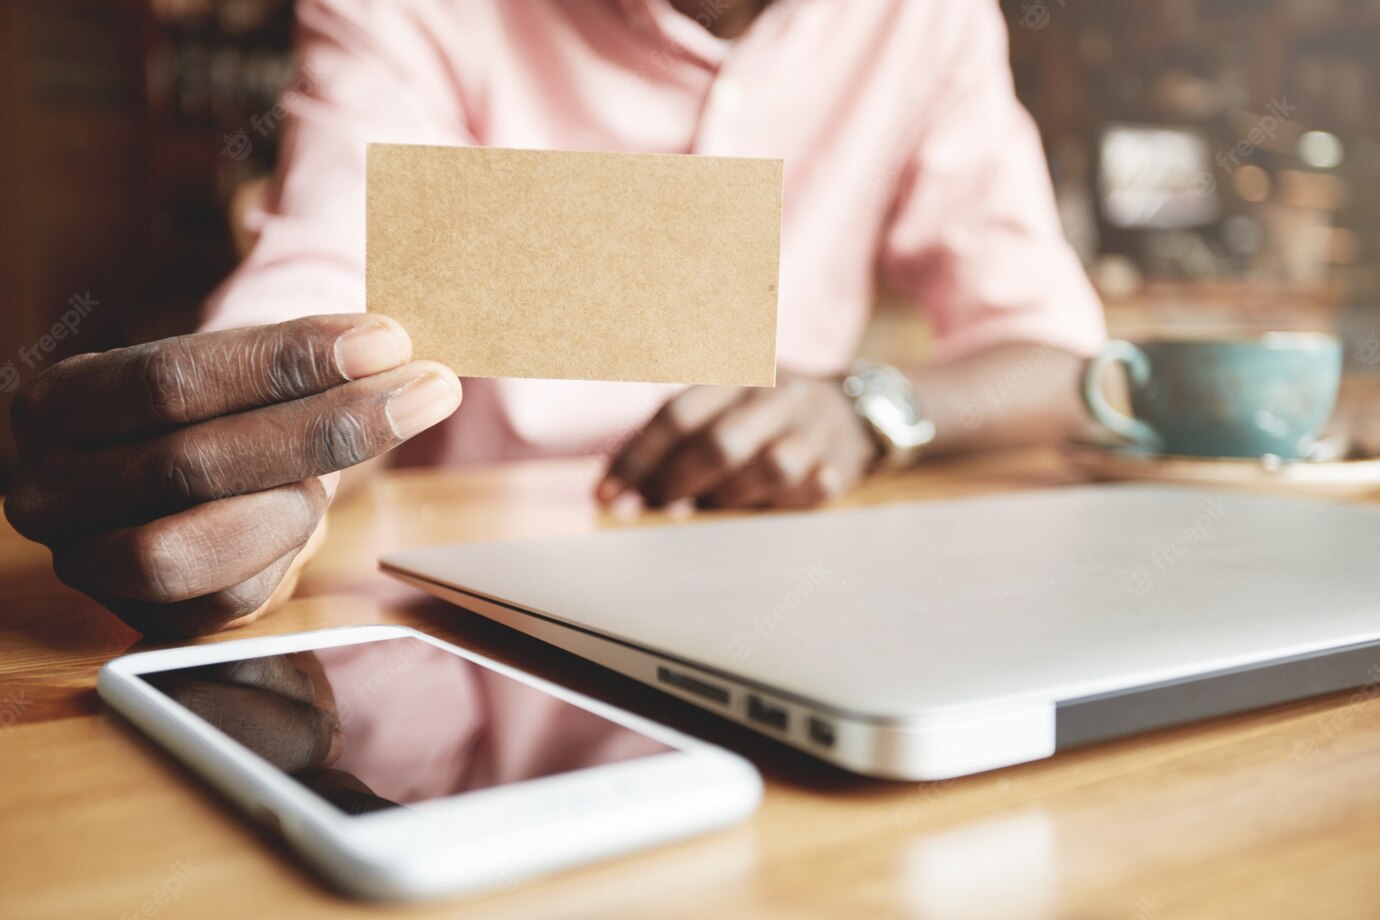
(281, 707)
(176, 482)
(794, 445)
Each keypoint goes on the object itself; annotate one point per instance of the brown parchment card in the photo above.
(582, 266)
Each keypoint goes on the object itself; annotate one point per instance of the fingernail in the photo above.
(371, 348)
(422, 403)
(608, 489)
(330, 482)
(830, 480)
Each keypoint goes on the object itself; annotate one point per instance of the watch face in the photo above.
(883, 396)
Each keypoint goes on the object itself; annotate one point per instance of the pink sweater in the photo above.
(906, 154)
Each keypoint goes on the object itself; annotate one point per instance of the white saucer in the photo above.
(1356, 474)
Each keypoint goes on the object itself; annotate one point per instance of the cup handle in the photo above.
(1138, 367)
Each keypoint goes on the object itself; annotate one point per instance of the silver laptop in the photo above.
(934, 639)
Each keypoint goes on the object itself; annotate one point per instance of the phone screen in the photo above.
(397, 721)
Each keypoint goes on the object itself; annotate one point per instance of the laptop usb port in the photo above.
(694, 685)
(821, 732)
(764, 712)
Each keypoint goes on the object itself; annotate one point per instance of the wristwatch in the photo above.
(885, 399)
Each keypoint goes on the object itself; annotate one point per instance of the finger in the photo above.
(707, 459)
(291, 735)
(195, 552)
(274, 673)
(774, 472)
(192, 378)
(205, 614)
(285, 589)
(823, 484)
(83, 492)
(345, 791)
(309, 665)
(681, 416)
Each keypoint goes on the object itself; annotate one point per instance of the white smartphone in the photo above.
(404, 767)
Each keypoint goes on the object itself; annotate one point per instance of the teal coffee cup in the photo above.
(1269, 394)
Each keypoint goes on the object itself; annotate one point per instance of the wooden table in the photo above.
(1274, 814)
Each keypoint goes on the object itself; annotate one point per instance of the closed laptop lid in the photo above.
(917, 610)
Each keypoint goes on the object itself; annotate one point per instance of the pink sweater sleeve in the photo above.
(975, 234)
(367, 72)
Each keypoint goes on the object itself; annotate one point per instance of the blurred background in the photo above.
(1217, 163)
